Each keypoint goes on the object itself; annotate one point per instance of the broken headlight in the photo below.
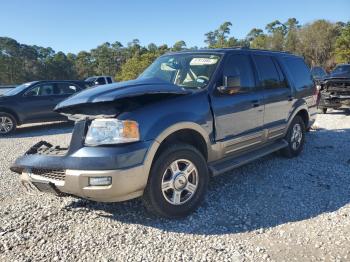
(112, 131)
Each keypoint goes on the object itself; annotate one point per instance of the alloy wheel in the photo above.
(6, 124)
(179, 182)
(297, 136)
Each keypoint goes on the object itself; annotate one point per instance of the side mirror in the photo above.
(232, 85)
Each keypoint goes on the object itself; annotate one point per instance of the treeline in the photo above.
(320, 43)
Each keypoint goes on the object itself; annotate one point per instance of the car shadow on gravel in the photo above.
(52, 128)
(345, 112)
(269, 192)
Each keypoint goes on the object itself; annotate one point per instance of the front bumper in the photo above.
(126, 184)
(335, 101)
(67, 170)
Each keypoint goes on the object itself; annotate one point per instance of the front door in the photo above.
(38, 103)
(239, 116)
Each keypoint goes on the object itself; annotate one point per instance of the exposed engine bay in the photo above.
(335, 93)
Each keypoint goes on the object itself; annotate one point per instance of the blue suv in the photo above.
(189, 116)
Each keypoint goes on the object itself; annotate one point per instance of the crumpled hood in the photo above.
(116, 91)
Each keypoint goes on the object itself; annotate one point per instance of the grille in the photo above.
(56, 174)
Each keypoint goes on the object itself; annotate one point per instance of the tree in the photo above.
(254, 33)
(291, 39)
(220, 37)
(179, 45)
(85, 65)
(317, 41)
(134, 66)
(342, 45)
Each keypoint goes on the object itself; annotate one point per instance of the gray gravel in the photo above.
(273, 209)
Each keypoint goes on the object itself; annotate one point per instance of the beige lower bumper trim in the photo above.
(126, 184)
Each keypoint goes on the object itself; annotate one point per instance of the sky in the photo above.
(76, 25)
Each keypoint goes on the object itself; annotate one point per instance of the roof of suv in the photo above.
(54, 81)
(234, 49)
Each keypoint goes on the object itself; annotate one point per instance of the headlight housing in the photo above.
(112, 131)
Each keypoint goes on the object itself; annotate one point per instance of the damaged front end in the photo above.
(335, 93)
(101, 170)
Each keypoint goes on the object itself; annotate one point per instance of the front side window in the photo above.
(239, 68)
(42, 90)
(109, 80)
(268, 74)
(190, 71)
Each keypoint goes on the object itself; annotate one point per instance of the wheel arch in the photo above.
(301, 111)
(184, 132)
(11, 112)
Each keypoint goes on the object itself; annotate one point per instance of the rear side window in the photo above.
(66, 89)
(109, 80)
(239, 66)
(101, 81)
(268, 74)
(299, 72)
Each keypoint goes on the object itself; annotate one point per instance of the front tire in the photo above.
(295, 138)
(8, 123)
(177, 183)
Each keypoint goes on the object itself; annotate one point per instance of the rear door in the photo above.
(238, 116)
(278, 96)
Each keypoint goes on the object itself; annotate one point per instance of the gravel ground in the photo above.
(273, 209)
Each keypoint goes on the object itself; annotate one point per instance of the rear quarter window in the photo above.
(299, 72)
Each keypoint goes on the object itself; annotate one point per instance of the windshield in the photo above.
(185, 70)
(18, 89)
(318, 72)
(341, 69)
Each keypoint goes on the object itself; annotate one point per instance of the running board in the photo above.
(229, 163)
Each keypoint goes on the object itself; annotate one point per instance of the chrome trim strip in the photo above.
(241, 147)
(243, 138)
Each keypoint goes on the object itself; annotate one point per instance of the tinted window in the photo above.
(318, 72)
(109, 80)
(299, 72)
(342, 69)
(268, 74)
(42, 90)
(239, 68)
(101, 81)
(65, 88)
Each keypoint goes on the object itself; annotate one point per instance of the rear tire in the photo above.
(295, 138)
(8, 123)
(177, 182)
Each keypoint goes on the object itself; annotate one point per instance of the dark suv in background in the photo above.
(189, 116)
(34, 102)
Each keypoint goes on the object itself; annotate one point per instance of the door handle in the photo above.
(290, 98)
(256, 103)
